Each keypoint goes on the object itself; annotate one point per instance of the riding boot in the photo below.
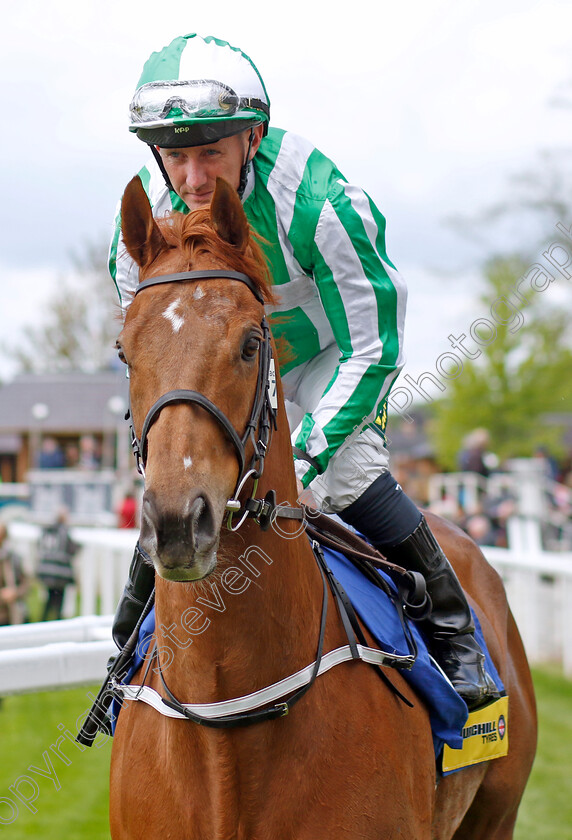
(449, 626)
(137, 590)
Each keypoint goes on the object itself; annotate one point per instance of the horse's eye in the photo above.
(120, 352)
(250, 347)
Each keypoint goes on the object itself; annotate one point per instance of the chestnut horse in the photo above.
(239, 610)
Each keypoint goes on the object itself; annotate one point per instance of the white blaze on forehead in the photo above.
(170, 314)
(187, 462)
(198, 293)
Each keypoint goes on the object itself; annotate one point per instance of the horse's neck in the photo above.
(257, 616)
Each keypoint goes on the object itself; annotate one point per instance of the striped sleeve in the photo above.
(124, 272)
(364, 299)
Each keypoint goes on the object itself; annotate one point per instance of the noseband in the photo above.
(263, 414)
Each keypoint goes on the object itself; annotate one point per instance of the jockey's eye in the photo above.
(250, 347)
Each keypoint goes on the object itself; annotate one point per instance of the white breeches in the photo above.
(358, 462)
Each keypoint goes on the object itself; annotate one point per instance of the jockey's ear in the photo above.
(141, 234)
(228, 216)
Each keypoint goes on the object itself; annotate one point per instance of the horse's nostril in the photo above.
(196, 511)
(202, 526)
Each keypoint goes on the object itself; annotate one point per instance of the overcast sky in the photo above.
(427, 105)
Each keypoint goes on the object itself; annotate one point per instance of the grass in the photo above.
(70, 798)
(546, 810)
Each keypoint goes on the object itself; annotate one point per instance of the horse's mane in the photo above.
(194, 235)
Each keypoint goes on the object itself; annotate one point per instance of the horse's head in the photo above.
(202, 337)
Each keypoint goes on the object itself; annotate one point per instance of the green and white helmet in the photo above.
(197, 91)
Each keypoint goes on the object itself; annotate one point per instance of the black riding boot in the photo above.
(137, 590)
(449, 626)
(394, 525)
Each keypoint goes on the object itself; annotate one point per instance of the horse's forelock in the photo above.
(193, 234)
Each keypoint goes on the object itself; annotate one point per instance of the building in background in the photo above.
(64, 441)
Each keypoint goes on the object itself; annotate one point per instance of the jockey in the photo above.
(202, 108)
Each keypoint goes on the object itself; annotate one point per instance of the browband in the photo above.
(201, 275)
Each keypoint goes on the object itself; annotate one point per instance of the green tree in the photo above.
(521, 385)
(520, 377)
(80, 322)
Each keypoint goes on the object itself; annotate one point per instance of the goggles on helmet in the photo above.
(159, 103)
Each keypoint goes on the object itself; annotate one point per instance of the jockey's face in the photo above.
(193, 170)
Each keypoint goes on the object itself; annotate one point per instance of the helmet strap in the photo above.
(161, 166)
(245, 167)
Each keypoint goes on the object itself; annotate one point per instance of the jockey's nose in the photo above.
(195, 174)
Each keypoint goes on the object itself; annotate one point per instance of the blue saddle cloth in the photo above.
(447, 711)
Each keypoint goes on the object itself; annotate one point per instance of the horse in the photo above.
(239, 609)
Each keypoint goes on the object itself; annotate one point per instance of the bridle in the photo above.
(263, 414)
(252, 708)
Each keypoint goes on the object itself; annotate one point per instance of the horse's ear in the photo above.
(228, 216)
(141, 234)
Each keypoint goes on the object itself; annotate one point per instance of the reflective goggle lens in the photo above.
(203, 98)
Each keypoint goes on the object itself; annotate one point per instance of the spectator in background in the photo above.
(56, 551)
(565, 476)
(88, 453)
(550, 466)
(128, 511)
(480, 528)
(500, 510)
(72, 455)
(51, 456)
(14, 584)
(473, 456)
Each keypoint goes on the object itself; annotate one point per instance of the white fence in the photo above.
(101, 564)
(74, 651)
(539, 590)
(54, 654)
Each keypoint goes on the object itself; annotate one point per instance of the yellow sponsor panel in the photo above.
(485, 736)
